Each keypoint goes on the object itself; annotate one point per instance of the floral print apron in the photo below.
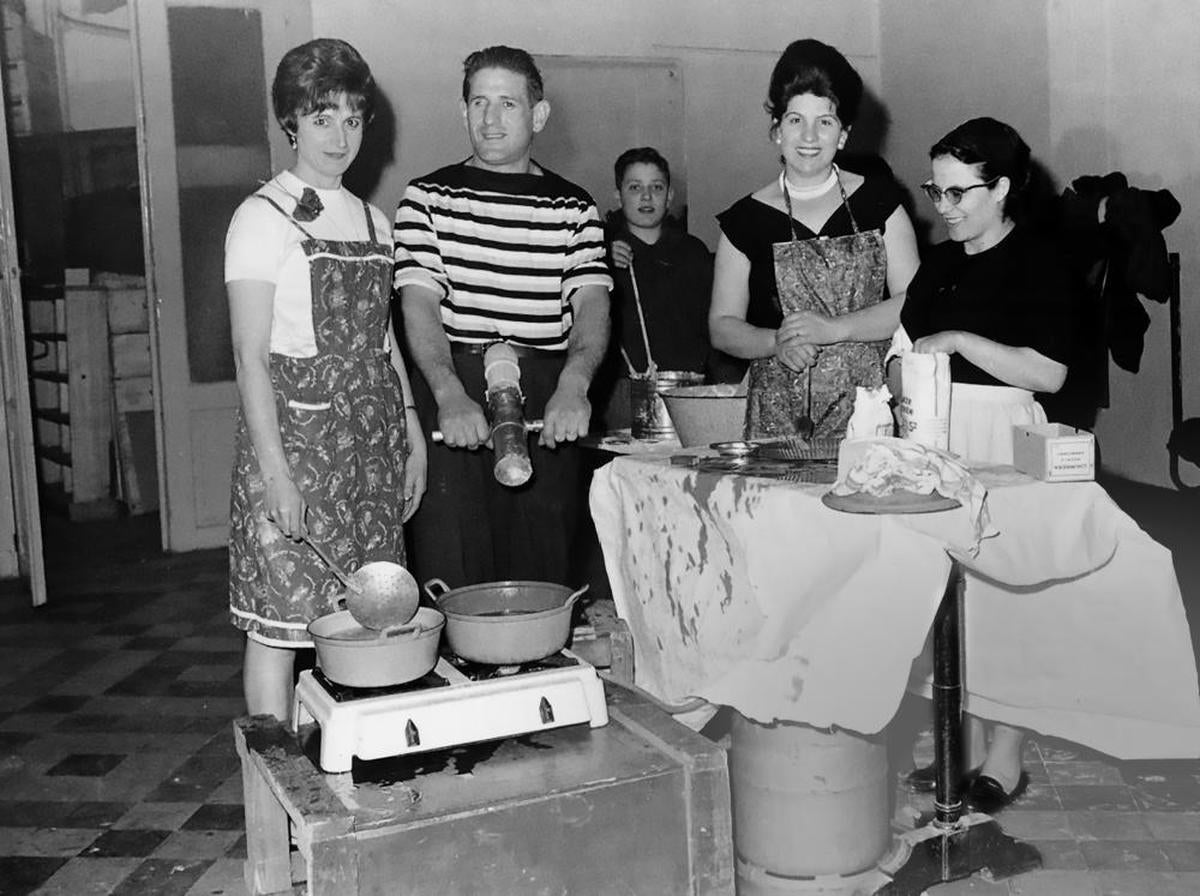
(832, 276)
(341, 416)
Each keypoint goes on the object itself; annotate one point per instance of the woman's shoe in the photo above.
(924, 778)
(987, 795)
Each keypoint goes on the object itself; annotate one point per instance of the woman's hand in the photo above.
(793, 353)
(948, 341)
(810, 326)
(286, 507)
(415, 466)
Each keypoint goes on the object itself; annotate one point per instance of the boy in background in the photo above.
(674, 281)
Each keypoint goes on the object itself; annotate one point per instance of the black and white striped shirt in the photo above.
(505, 252)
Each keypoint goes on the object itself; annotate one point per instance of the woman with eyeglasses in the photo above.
(805, 263)
(998, 299)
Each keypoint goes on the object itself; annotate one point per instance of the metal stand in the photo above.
(951, 845)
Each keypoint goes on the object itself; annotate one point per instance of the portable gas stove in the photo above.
(458, 702)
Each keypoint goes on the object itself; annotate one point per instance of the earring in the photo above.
(291, 140)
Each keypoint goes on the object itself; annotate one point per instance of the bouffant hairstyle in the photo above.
(640, 155)
(809, 66)
(998, 151)
(312, 76)
(510, 58)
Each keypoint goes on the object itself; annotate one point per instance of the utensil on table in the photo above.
(804, 423)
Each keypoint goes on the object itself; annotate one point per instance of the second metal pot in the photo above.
(505, 623)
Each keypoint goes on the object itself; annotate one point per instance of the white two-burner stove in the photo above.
(457, 703)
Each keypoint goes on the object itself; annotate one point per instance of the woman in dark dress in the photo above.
(996, 296)
(998, 299)
(803, 262)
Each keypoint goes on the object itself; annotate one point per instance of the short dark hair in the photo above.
(647, 155)
(998, 150)
(809, 66)
(511, 58)
(312, 76)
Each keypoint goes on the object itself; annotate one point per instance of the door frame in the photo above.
(176, 398)
(14, 383)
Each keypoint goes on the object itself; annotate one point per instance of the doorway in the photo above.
(126, 168)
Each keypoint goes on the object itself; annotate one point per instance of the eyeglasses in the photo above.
(953, 195)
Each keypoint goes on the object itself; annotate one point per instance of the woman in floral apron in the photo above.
(802, 264)
(328, 446)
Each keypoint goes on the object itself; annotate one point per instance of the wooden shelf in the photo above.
(54, 454)
(53, 376)
(62, 418)
(93, 402)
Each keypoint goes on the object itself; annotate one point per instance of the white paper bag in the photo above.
(925, 408)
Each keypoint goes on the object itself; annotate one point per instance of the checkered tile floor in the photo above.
(118, 775)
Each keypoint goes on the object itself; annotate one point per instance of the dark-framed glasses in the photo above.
(953, 195)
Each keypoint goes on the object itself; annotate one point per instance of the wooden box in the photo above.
(638, 806)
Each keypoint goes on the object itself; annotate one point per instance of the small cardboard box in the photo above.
(1054, 452)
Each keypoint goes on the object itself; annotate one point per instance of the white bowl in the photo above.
(702, 415)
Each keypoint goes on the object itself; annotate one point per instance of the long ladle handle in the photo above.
(342, 575)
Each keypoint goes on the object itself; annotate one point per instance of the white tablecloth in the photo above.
(751, 593)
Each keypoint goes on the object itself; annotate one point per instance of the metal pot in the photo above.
(505, 622)
(359, 657)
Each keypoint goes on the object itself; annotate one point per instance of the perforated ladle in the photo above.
(379, 595)
(343, 576)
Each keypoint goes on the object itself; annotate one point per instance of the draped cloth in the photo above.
(751, 593)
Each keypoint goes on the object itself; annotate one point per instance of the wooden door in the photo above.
(206, 138)
(19, 488)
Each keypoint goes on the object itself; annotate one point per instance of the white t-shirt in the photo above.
(262, 244)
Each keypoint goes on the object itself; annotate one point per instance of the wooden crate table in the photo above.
(639, 806)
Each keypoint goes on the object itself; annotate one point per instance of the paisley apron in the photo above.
(832, 276)
(341, 417)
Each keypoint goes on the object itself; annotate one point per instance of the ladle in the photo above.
(379, 595)
(341, 574)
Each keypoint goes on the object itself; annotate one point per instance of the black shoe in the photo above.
(924, 779)
(988, 796)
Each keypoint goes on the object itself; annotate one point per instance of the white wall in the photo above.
(1125, 96)
(726, 50)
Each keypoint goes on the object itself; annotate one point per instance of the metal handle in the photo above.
(341, 574)
(436, 583)
(530, 426)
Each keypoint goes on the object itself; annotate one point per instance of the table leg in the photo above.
(951, 846)
(947, 703)
(268, 865)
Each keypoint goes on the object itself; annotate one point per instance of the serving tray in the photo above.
(899, 501)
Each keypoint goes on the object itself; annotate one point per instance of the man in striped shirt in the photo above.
(497, 248)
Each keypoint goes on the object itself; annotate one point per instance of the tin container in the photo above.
(649, 417)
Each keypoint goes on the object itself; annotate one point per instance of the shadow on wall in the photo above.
(377, 153)
(864, 155)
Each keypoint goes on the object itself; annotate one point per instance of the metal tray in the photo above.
(795, 448)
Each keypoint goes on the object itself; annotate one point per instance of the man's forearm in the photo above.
(589, 336)
(427, 342)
